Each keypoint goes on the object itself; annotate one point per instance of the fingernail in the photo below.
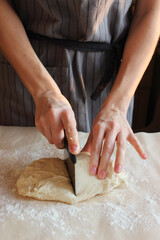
(74, 148)
(118, 168)
(93, 170)
(102, 174)
(144, 155)
(70, 138)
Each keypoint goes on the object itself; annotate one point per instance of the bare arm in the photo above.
(16, 47)
(111, 124)
(53, 111)
(139, 48)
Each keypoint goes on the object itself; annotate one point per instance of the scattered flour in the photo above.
(122, 209)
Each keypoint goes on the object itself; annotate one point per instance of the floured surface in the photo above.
(131, 211)
(48, 179)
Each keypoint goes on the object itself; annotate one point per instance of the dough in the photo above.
(47, 179)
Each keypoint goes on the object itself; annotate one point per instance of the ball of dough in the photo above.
(48, 179)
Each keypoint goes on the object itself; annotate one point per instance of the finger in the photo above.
(121, 152)
(106, 153)
(59, 141)
(88, 145)
(44, 127)
(57, 132)
(39, 127)
(69, 124)
(137, 145)
(96, 146)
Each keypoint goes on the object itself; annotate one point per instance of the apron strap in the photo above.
(111, 67)
(115, 50)
(76, 45)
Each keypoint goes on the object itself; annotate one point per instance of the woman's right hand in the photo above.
(53, 111)
(53, 115)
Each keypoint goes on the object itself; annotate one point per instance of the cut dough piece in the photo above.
(48, 179)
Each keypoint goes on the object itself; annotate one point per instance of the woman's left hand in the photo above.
(110, 126)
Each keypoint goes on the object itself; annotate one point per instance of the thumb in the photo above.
(88, 145)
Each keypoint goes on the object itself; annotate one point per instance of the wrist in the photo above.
(117, 102)
(43, 83)
(37, 79)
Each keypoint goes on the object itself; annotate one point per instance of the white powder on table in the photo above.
(121, 210)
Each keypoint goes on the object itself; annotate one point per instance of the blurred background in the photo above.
(146, 115)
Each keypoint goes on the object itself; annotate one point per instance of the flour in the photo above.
(122, 209)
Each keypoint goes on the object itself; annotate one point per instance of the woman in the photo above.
(71, 50)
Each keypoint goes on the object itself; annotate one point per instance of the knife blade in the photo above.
(70, 163)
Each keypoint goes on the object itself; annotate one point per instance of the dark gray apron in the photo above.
(80, 43)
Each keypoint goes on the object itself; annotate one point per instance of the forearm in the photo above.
(139, 48)
(16, 47)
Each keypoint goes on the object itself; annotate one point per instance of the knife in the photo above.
(70, 163)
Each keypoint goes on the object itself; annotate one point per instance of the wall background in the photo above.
(146, 115)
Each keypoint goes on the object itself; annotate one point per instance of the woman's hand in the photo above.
(53, 115)
(110, 126)
(53, 112)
